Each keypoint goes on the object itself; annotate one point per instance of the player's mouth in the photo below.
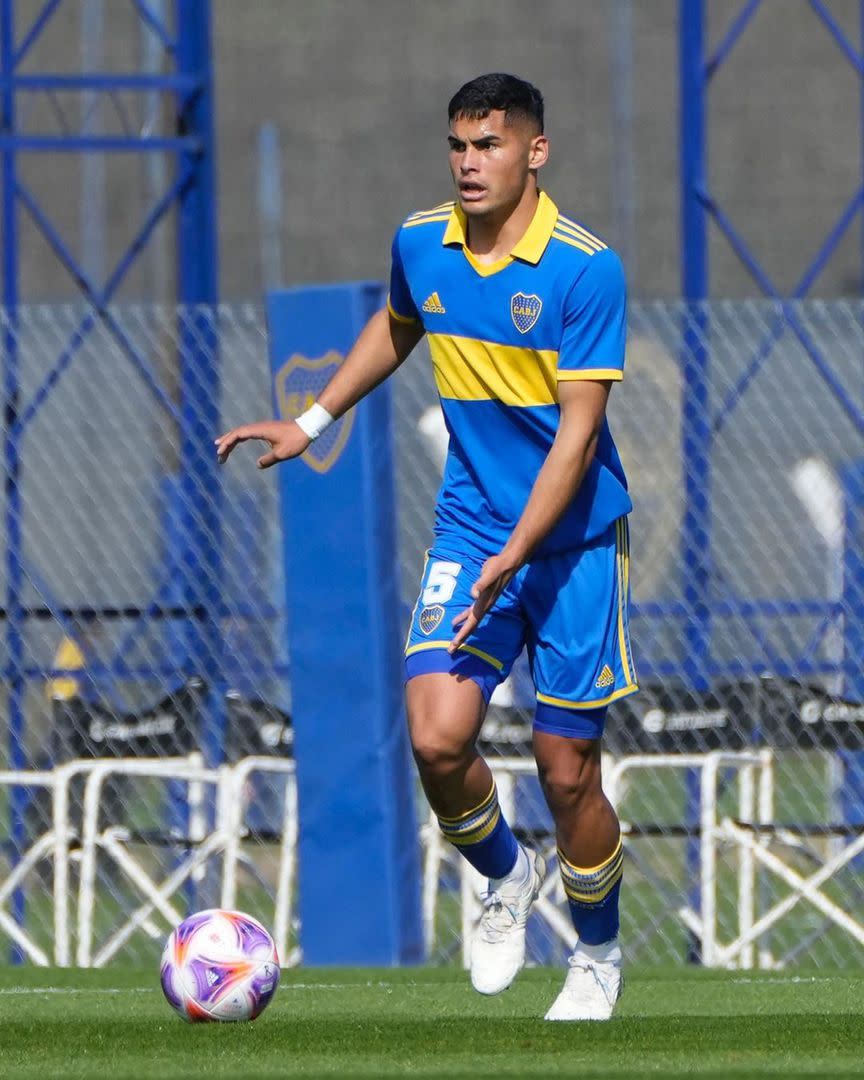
(471, 191)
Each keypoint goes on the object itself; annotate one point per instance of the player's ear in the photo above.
(538, 153)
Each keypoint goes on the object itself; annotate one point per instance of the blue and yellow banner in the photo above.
(358, 859)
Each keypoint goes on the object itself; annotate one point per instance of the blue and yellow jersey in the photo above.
(502, 337)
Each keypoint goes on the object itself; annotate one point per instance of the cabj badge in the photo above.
(298, 383)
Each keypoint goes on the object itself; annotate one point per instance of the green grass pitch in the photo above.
(429, 1023)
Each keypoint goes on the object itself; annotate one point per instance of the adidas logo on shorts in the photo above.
(606, 678)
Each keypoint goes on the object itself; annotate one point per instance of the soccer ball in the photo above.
(219, 965)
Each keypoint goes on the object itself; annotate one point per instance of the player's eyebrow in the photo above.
(484, 140)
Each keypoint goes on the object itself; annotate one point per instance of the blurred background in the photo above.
(165, 164)
(321, 133)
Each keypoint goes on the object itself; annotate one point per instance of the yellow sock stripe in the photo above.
(490, 798)
(483, 830)
(596, 895)
(591, 886)
(474, 825)
(587, 871)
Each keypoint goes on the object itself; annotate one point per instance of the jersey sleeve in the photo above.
(399, 302)
(595, 322)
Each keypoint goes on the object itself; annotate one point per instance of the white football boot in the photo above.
(591, 988)
(498, 947)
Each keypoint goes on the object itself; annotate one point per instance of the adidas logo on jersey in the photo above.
(606, 678)
(433, 305)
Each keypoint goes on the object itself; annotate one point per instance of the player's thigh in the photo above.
(579, 645)
(445, 713)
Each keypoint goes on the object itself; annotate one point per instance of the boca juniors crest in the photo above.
(525, 310)
(430, 617)
(298, 383)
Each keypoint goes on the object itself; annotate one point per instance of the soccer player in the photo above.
(524, 311)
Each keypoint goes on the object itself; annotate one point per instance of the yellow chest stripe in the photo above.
(471, 370)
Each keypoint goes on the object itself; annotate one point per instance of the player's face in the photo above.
(491, 161)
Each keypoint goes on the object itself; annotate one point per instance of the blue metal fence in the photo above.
(107, 521)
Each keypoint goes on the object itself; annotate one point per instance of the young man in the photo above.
(524, 310)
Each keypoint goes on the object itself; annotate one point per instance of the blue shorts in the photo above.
(569, 610)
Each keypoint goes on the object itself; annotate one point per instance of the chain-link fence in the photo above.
(144, 616)
(744, 423)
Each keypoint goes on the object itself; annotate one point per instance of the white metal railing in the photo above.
(750, 837)
(62, 842)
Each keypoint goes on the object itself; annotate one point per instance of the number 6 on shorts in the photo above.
(441, 582)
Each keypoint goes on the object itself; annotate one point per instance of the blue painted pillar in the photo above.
(852, 792)
(853, 582)
(200, 538)
(11, 459)
(359, 857)
(695, 386)
(695, 403)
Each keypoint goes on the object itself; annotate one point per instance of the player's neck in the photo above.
(493, 237)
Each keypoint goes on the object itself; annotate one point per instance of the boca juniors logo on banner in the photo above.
(298, 383)
(525, 311)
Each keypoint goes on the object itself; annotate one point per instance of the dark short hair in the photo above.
(516, 98)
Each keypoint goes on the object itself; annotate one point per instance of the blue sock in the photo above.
(483, 837)
(592, 895)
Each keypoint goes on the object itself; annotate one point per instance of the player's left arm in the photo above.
(583, 406)
(590, 359)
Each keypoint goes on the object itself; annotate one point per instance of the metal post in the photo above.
(93, 202)
(197, 278)
(695, 419)
(11, 390)
(155, 165)
(270, 206)
(623, 181)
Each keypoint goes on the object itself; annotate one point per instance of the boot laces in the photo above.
(497, 918)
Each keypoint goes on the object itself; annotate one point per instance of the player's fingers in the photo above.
(485, 581)
(225, 444)
(467, 628)
(266, 460)
(461, 617)
(231, 439)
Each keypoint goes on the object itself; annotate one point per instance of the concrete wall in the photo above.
(358, 91)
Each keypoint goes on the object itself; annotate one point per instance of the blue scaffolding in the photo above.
(701, 420)
(704, 598)
(186, 90)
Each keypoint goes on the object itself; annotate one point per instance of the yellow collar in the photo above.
(531, 246)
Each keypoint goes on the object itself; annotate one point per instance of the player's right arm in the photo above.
(384, 343)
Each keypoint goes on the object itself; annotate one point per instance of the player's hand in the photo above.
(493, 580)
(285, 439)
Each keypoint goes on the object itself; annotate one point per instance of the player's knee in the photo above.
(438, 752)
(570, 780)
(443, 720)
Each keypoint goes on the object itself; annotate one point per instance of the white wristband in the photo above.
(314, 421)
